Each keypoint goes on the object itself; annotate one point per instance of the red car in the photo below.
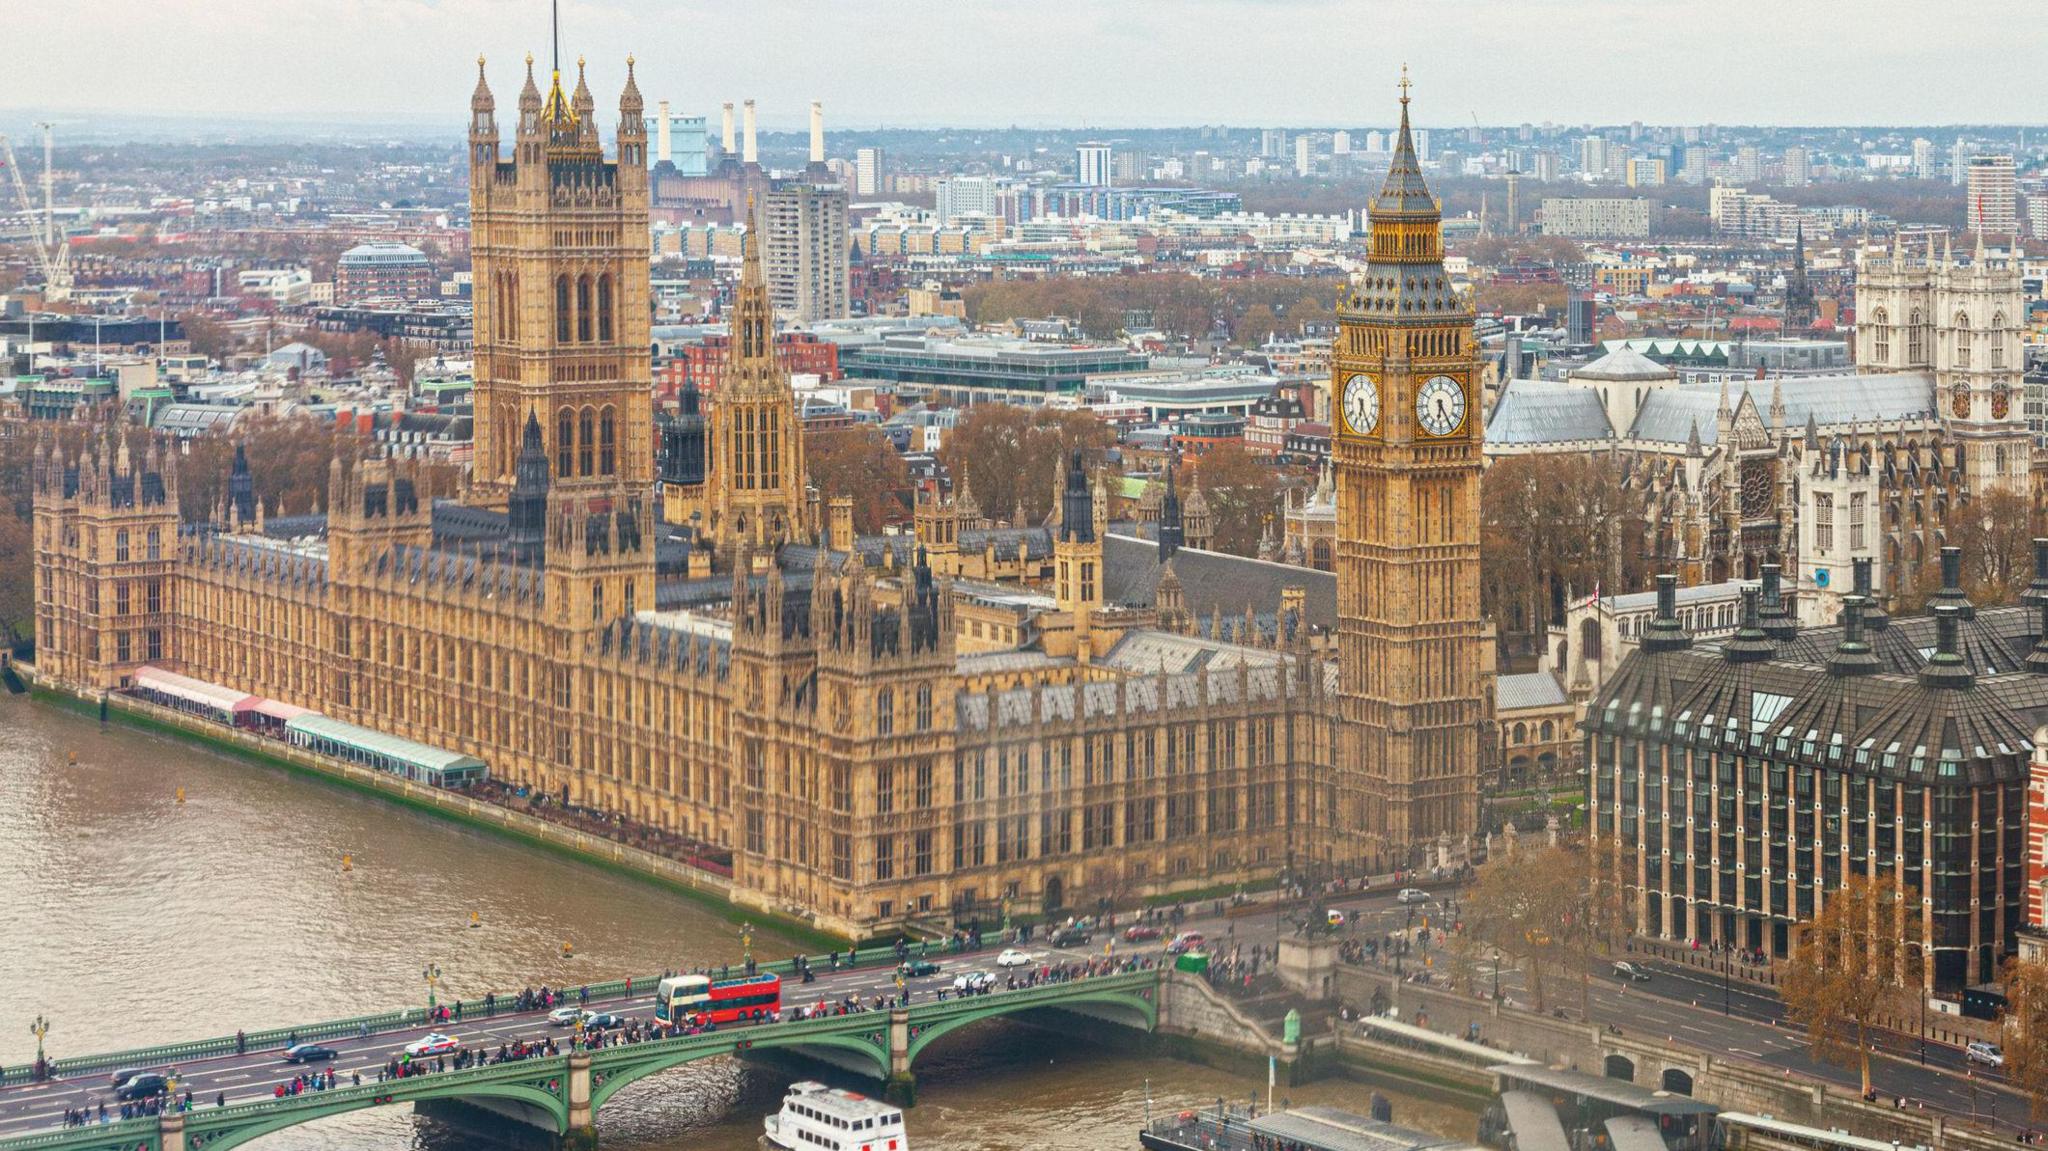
(1140, 933)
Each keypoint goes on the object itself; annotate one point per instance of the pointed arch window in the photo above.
(562, 310)
(1881, 340)
(586, 441)
(607, 443)
(1963, 340)
(1997, 349)
(583, 309)
(1916, 350)
(565, 442)
(604, 309)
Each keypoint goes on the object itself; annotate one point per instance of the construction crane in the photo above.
(53, 252)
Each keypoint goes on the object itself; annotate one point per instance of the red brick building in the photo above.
(702, 364)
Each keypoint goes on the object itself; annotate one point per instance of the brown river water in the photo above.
(137, 919)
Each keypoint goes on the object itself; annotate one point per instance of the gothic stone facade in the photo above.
(759, 679)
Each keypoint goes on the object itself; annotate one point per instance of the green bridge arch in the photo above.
(541, 1084)
(1137, 997)
(866, 1035)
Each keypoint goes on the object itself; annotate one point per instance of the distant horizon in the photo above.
(20, 123)
(979, 64)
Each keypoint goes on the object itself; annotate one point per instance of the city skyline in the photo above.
(390, 62)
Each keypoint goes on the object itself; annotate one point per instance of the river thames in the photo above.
(139, 919)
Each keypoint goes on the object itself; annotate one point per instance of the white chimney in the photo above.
(661, 137)
(817, 132)
(726, 139)
(748, 153)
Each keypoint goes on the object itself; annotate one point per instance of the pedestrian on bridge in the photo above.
(241, 1043)
(220, 1099)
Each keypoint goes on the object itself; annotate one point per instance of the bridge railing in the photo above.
(121, 1133)
(411, 1017)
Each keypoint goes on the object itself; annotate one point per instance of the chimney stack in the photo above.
(1778, 621)
(817, 132)
(2037, 592)
(726, 139)
(1853, 655)
(1665, 633)
(1875, 618)
(748, 153)
(1749, 644)
(1945, 668)
(1951, 593)
(661, 135)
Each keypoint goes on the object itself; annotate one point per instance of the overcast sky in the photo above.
(1109, 63)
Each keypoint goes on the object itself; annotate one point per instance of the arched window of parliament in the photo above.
(583, 309)
(604, 310)
(607, 442)
(1881, 341)
(586, 441)
(562, 311)
(1916, 353)
(565, 441)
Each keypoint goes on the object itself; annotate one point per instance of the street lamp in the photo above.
(39, 1028)
(1496, 975)
(747, 946)
(432, 974)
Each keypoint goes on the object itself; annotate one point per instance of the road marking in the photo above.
(1743, 1051)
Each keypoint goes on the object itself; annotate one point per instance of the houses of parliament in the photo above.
(880, 729)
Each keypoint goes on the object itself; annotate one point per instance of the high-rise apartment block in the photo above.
(870, 173)
(1994, 200)
(805, 229)
(1798, 167)
(1593, 156)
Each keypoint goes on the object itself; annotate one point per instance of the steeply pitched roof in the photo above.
(1529, 689)
(1624, 363)
(1213, 582)
(1668, 414)
(1546, 412)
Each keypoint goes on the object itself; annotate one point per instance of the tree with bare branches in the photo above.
(1844, 974)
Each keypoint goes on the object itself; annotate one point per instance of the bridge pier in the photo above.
(582, 1133)
(170, 1131)
(901, 1086)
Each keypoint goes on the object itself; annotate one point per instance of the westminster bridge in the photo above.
(232, 1080)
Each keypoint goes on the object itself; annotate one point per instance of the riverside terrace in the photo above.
(559, 1094)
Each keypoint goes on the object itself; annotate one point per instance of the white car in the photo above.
(565, 1016)
(435, 1044)
(1412, 895)
(1986, 1053)
(1011, 957)
(973, 981)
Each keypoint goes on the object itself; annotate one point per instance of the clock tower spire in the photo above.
(1413, 691)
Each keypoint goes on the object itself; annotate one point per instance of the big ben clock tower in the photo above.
(1411, 643)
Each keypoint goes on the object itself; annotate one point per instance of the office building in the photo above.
(1646, 171)
(958, 196)
(384, 271)
(1092, 165)
(1590, 218)
(1738, 784)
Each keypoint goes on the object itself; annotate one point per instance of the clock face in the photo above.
(1440, 406)
(1361, 404)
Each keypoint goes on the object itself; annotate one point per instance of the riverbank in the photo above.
(712, 892)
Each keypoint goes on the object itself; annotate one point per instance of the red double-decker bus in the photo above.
(742, 1000)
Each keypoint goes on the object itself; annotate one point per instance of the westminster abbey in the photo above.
(880, 729)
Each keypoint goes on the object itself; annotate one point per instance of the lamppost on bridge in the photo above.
(432, 974)
(747, 946)
(1496, 975)
(39, 1028)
